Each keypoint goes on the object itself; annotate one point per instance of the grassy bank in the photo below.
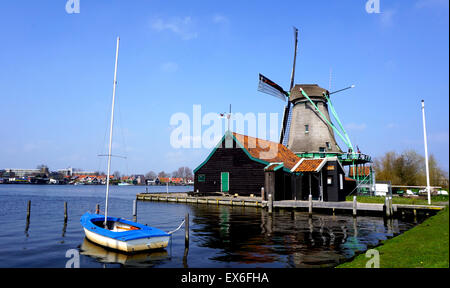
(424, 246)
(436, 200)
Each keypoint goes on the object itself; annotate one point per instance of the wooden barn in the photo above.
(237, 165)
(241, 164)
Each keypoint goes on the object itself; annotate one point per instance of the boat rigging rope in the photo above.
(173, 231)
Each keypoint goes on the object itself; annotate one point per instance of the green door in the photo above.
(225, 180)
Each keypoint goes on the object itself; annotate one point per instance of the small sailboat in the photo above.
(124, 184)
(117, 233)
(121, 234)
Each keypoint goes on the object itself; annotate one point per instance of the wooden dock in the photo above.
(387, 209)
(213, 200)
(364, 207)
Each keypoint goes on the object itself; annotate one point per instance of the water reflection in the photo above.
(220, 236)
(64, 229)
(295, 239)
(27, 227)
(107, 256)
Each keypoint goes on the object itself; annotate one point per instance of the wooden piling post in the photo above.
(391, 208)
(263, 197)
(28, 210)
(270, 206)
(65, 211)
(186, 230)
(355, 206)
(97, 209)
(386, 205)
(134, 208)
(310, 206)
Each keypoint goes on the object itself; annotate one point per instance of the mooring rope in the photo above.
(171, 232)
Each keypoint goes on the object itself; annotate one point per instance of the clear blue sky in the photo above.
(57, 70)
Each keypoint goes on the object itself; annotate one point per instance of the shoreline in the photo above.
(424, 246)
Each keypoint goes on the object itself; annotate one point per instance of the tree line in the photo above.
(182, 172)
(408, 168)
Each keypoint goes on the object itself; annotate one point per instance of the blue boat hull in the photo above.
(122, 234)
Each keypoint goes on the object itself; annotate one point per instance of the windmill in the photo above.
(306, 126)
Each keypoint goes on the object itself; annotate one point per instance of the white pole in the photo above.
(111, 132)
(426, 153)
(229, 117)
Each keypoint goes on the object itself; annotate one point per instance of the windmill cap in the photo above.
(312, 90)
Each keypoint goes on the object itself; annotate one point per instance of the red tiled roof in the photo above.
(362, 171)
(267, 151)
(94, 176)
(309, 165)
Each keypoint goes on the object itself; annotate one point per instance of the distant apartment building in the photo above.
(19, 173)
(78, 173)
(66, 172)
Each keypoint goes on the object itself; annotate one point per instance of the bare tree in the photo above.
(188, 173)
(183, 172)
(116, 175)
(163, 174)
(408, 168)
(150, 175)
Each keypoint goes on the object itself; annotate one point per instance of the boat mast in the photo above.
(111, 133)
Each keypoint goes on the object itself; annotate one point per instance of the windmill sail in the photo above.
(269, 87)
(287, 128)
(284, 136)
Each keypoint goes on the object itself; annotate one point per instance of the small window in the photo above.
(306, 129)
(321, 149)
(330, 180)
(328, 145)
(201, 178)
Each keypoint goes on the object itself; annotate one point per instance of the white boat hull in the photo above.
(128, 246)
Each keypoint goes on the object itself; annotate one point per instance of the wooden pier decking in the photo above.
(216, 200)
(375, 207)
(355, 208)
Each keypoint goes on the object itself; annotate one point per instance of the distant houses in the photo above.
(89, 179)
(42, 175)
(170, 181)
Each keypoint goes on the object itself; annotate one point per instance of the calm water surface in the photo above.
(221, 236)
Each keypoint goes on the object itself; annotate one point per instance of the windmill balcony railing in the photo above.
(356, 156)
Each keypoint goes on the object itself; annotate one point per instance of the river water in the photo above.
(220, 236)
